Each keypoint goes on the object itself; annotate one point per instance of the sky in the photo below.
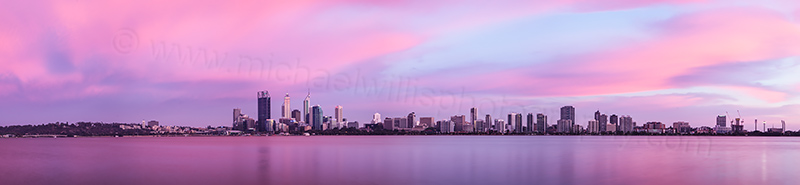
(190, 63)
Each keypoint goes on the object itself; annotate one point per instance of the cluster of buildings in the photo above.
(312, 118)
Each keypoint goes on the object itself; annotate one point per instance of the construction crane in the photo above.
(739, 118)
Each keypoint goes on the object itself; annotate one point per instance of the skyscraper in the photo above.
(614, 120)
(541, 123)
(411, 119)
(593, 126)
(721, 119)
(530, 124)
(337, 113)
(568, 113)
(286, 107)
(603, 121)
(626, 123)
(473, 112)
(316, 117)
(489, 119)
(306, 108)
(236, 113)
(264, 112)
(567, 121)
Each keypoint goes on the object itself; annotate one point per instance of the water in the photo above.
(401, 160)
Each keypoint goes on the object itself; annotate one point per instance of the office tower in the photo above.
(603, 122)
(427, 121)
(512, 119)
(614, 120)
(296, 115)
(286, 107)
(236, 113)
(480, 125)
(316, 117)
(264, 113)
(446, 126)
(593, 127)
(541, 123)
(568, 113)
(376, 118)
(458, 122)
(530, 124)
(411, 119)
(473, 112)
(489, 119)
(565, 126)
(337, 114)
(500, 125)
(388, 123)
(626, 123)
(721, 119)
(306, 108)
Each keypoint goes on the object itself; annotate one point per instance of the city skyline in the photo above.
(660, 60)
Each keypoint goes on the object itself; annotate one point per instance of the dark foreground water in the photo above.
(402, 160)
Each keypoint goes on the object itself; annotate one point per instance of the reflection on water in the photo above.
(401, 160)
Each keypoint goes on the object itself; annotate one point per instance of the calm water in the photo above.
(402, 160)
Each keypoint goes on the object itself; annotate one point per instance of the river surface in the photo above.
(402, 160)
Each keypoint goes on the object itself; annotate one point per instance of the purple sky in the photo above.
(191, 62)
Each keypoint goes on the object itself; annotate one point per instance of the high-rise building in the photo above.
(568, 113)
(489, 119)
(626, 123)
(721, 119)
(388, 123)
(614, 120)
(541, 123)
(426, 121)
(338, 114)
(458, 122)
(473, 112)
(376, 118)
(236, 113)
(286, 107)
(306, 108)
(530, 124)
(603, 122)
(316, 117)
(516, 120)
(593, 127)
(264, 113)
(446, 126)
(296, 115)
(411, 120)
(500, 125)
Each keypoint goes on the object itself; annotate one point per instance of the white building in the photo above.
(593, 127)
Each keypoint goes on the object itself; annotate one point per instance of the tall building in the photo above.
(473, 112)
(500, 125)
(721, 119)
(306, 108)
(626, 123)
(337, 114)
(614, 120)
(458, 122)
(568, 113)
(286, 107)
(489, 119)
(264, 113)
(446, 126)
(236, 113)
(376, 118)
(388, 123)
(316, 117)
(426, 121)
(593, 127)
(515, 119)
(603, 122)
(296, 115)
(541, 123)
(411, 119)
(530, 123)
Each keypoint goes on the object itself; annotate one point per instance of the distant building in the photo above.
(568, 113)
(473, 112)
(614, 120)
(530, 123)
(352, 124)
(488, 120)
(565, 125)
(376, 118)
(316, 117)
(626, 123)
(458, 122)
(481, 126)
(446, 126)
(515, 119)
(236, 113)
(264, 104)
(427, 121)
(721, 120)
(152, 123)
(500, 125)
(297, 115)
(654, 127)
(411, 119)
(593, 127)
(286, 107)
(338, 114)
(541, 123)
(307, 108)
(682, 127)
(388, 123)
(611, 128)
